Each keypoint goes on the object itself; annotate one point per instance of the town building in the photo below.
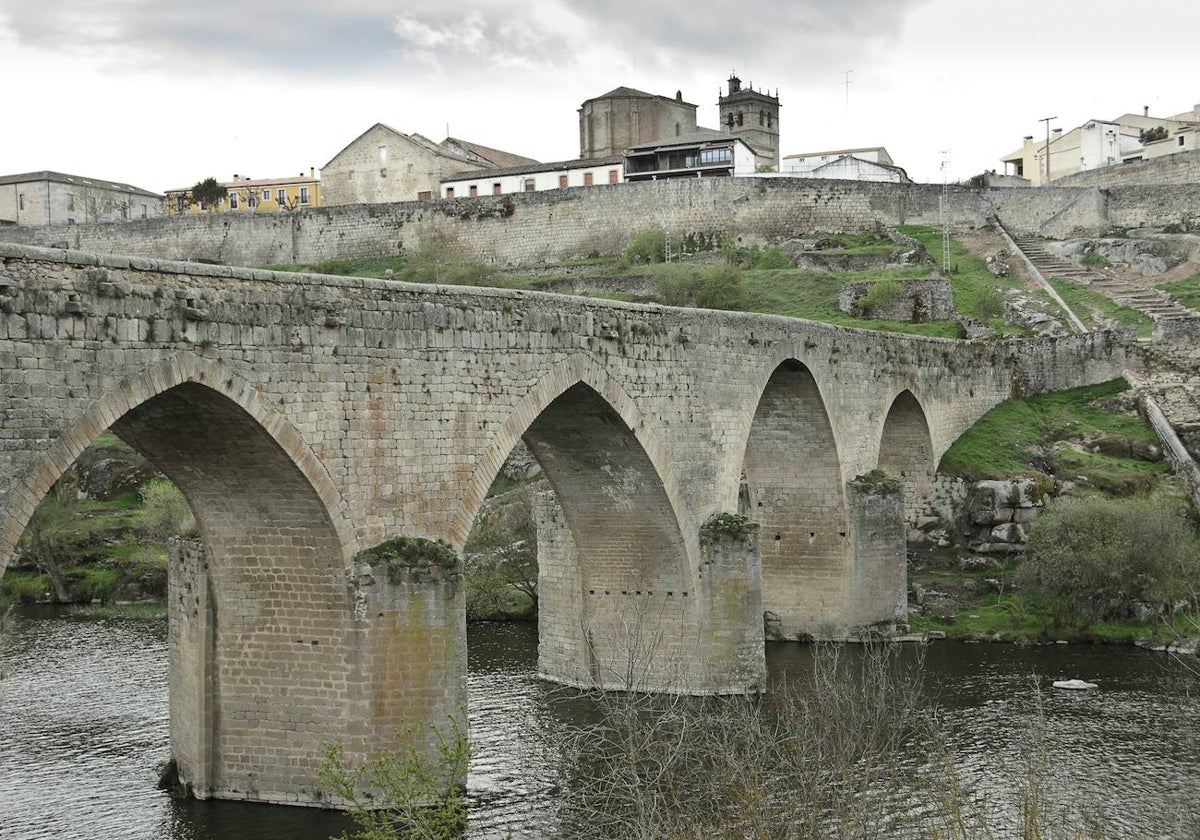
(625, 117)
(1100, 143)
(754, 116)
(383, 164)
(702, 154)
(54, 198)
(253, 195)
(535, 177)
(803, 164)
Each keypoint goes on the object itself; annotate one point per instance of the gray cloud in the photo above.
(460, 39)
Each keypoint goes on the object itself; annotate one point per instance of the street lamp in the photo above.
(1046, 120)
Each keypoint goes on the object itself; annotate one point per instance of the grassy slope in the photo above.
(790, 292)
(1091, 306)
(1010, 440)
(1186, 291)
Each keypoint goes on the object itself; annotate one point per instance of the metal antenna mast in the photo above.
(944, 212)
(847, 84)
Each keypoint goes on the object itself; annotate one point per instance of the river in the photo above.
(83, 727)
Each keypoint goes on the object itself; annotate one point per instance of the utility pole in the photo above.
(847, 84)
(1046, 120)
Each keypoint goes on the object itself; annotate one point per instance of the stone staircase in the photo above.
(1136, 294)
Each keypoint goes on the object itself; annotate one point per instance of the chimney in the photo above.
(1145, 110)
(235, 177)
(312, 172)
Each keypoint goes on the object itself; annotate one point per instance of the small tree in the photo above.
(1149, 135)
(208, 192)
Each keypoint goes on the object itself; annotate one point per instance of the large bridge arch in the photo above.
(622, 589)
(795, 491)
(260, 616)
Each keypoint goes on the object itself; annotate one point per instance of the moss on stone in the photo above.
(726, 526)
(876, 483)
(401, 553)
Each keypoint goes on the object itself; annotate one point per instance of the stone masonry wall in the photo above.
(1179, 168)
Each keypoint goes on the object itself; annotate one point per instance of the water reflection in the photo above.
(83, 726)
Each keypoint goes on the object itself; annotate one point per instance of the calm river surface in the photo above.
(83, 726)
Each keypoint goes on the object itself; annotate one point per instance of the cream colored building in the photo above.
(383, 165)
(1100, 143)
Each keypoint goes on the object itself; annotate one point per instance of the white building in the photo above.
(534, 177)
(802, 165)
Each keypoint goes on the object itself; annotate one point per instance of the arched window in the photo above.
(740, 121)
(676, 129)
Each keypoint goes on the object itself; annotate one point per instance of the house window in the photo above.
(71, 201)
(266, 195)
(473, 190)
(449, 192)
(740, 121)
(530, 186)
(496, 188)
(281, 197)
(144, 212)
(304, 195)
(233, 204)
(762, 118)
(562, 181)
(20, 201)
(587, 179)
(424, 195)
(382, 156)
(1180, 139)
(768, 120)
(676, 129)
(612, 176)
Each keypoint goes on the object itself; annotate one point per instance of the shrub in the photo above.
(882, 295)
(1093, 260)
(1091, 557)
(165, 511)
(990, 303)
(773, 258)
(716, 287)
(649, 246)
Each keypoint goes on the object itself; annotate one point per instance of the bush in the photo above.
(882, 295)
(649, 246)
(1091, 557)
(990, 303)
(773, 258)
(165, 512)
(716, 287)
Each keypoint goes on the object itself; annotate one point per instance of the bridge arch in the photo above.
(261, 619)
(906, 451)
(616, 577)
(794, 490)
(141, 387)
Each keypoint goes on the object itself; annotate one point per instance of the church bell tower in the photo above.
(753, 115)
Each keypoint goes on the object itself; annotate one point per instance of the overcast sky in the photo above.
(162, 93)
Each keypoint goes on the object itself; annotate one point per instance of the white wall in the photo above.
(576, 177)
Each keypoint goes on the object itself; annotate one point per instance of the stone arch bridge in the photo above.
(308, 418)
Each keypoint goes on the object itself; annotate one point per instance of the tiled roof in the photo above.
(62, 178)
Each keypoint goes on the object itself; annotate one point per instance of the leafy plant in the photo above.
(404, 793)
(648, 246)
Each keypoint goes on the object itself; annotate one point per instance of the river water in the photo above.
(83, 727)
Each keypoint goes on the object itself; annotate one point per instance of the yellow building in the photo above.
(254, 195)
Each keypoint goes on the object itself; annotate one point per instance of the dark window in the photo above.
(562, 181)
(612, 176)
(530, 186)
(473, 190)
(587, 179)
(304, 195)
(496, 188)
(1180, 139)
(740, 118)
(449, 192)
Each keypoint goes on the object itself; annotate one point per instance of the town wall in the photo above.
(1179, 168)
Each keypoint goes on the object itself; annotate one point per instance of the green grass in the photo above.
(1012, 617)
(24, 586)
(1091, 306)
(1186, 291)
(999, 444)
